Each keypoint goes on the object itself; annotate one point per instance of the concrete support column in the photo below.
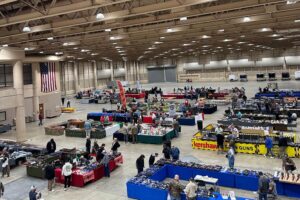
(76, 77)
(35, 84)
(126, 74)
(95, 74)
(138, 70)
(20, 111)
(284, 63)
(111, 71)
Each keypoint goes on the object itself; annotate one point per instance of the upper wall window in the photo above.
(27, 73)
(6, 75)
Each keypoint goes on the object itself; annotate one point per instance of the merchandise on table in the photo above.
(155, 135)
(250, 141)
(56, 129)
(16, 146)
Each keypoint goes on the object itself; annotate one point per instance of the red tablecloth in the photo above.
(137, 96)
(177, 96)
(147, 119)
(79, 180)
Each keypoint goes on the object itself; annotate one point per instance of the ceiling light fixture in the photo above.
(265, 29)
(99, 16)
(206, 36)
(221, 30)
(108, 30)
(297, 20)
(169, 30)
(41, 52)
(247, 19)
(50, 38)
(5, 45)
(26, 48)
(183, 18)
(162, 37)
(26, 28)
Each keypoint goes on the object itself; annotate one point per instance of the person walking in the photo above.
(68, 103)
(191, 190)
(50, 175)
(230, 157)
(152, 159)
(115, 145)
(134, 132)
(67, 172)
(140, 164)
(88, 145)
(40, 119)
(269, 146)
(51, 146)
(1, 189)
(88, 128)
(5, 166)
(175, 188)
(263, 186)
(175, 152)
(176, 127)
(105, 161)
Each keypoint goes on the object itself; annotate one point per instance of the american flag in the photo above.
(48, 77)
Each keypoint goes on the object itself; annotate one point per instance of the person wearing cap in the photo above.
(175, 188)
(33, 195)
(140, 164)
(263, 186)
(191, 190)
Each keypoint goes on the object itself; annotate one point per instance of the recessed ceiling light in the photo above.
(50, 38)
(250, 44)
(26, 48)
(242, 36)
(59, 53)
(281, 38)
(186, 44)
(107, 30)
(75, 48)
(183, 18)
(241, 42)
(94, 54)
(221, 30)
(162, 37)
(169, 30)
(114, 43)
(297, 20)
(219, 47)
(206, 36)
(275, 35)
(41, 52)
(112, 38)
(157, 42)
(99, 16)
(65, 44)
(193, 41)
(247, 19)
(26, 28)
(5, 45)
(205, 46)
(266, 29)
(227, 40)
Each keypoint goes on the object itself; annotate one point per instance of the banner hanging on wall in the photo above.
(122, 93)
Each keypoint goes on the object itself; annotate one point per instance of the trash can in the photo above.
(200, 125)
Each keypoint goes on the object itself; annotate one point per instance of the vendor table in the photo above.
(173, 95)
(279, 94)
(136, 96)
(95, 133)
(155, 139)
(118, 117)
(79, 180)
(187, 121)
(110, 130)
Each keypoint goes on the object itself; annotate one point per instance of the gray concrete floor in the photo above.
(114, 188)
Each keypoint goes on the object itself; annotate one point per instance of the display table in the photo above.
(56, 129)
(80, 180)
(67, 110)
(155, 139)
(280, 94)
(145, 192)
(117, 117)
(173, 95)
(86, 100)
(187, 121)
(4, 128)
(136, 96)
(78, 132)
(110, 130)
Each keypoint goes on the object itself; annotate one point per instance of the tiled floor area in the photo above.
(114, 188)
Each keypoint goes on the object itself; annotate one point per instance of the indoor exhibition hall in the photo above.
(149, 99)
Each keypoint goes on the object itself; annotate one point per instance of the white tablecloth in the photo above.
(110, 130)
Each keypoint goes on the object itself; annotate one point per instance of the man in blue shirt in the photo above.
(269, 146)
(88, 128)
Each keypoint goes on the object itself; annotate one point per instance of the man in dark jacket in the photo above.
(50, 175)
(263, 186)
(33, 195)
(167, 152)
(140, 163)
(51, 146)
(100, 153)
(88, 145)
(115, 145)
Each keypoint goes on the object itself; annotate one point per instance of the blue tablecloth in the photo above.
(280, 94)
(246, 182)
(118, 117)
(187, 121)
